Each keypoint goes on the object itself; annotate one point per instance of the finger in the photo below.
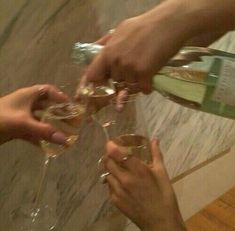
(121, 99)
(145, 84)
(43, 95)
(115, 186)
(117, 73)
(55, 95)
(158, 164)
(114, 168)
(119, 196)
(83, 89)
(103, 40)
(132, 164)
(46, 91)
(156, 152)
(40, 130)
(98, 69)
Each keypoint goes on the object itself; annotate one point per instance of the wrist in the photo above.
(177, 18)
(208, 16)
(171, 221)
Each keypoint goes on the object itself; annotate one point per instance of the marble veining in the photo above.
(36, 38)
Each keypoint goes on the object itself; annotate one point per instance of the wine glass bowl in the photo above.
(129, 130)
(67, 118)
(100, 97)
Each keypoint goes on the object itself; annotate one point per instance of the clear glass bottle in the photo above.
(197, 77)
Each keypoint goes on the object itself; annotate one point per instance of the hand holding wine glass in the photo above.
(17, 114)
(143, 192)
(68, 118)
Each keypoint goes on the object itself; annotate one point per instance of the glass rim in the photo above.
(66, 114)
(126, 99)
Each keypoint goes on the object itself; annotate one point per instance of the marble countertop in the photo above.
(35, 46)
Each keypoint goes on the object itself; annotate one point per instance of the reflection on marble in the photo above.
(35, 46)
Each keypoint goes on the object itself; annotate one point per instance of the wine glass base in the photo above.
(27, 218)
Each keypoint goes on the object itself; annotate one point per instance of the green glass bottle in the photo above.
(197, 77)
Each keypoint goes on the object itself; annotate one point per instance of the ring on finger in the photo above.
(103, 177)
(42, 92)
(125, 158)
(111, 31)
(100, 164)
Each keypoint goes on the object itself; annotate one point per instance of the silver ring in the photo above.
(125, 158)
(100, 163)
(42, 91)
(103, 177)
(111, 31)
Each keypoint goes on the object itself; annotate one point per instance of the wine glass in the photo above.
(69, 118)
(125, 124)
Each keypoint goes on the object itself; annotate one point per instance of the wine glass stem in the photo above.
(42, 183)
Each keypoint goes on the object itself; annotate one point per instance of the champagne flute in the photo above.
(126, 125)
(69, 118)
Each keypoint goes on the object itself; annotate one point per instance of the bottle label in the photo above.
(220, 91)
(225, 87)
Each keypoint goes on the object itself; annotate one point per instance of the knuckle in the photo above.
(160, 169)
(106, 53)
(141, 67)
(127, 183)
(115, 199)
(143, 172)
(120, 195)
(128, 63)
(46, 131)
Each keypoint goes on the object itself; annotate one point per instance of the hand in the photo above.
(17, 119)
(143, 192)
(140, 46)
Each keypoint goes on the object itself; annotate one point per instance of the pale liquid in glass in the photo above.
(66, 120)
(136, 145)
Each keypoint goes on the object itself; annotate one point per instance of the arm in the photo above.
(140, 46)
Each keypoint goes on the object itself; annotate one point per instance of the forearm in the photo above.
(195, 22)
(204, 40)
(210, 16)
(172, 225)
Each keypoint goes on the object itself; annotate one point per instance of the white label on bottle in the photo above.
(225, 88)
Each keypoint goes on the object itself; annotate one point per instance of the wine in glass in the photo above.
(126, 124)
(69, 118)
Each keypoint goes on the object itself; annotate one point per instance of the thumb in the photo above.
(156, 152)
(40, 130)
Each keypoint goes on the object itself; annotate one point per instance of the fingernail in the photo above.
(59, 138)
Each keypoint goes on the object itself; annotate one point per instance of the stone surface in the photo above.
(35, 47)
